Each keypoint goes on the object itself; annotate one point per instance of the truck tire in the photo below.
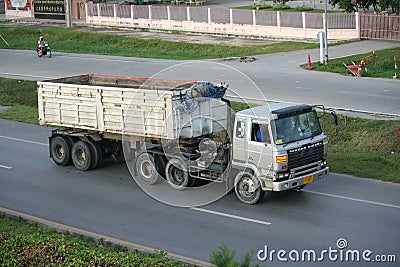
(60, 150)
(146, 168)
(97, 155)
(176, 174)
(160, 165)
(244, 188)
(82, 155)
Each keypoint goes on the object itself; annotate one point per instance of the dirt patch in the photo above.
(182, 37)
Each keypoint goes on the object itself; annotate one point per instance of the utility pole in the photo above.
(68, 13)
(326, 31)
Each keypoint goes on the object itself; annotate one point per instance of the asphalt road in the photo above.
(276, 77)
(107, 201)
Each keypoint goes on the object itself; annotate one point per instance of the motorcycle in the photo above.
(43, 50)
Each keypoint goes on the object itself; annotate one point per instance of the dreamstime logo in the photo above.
(339, 253)
(175, 140)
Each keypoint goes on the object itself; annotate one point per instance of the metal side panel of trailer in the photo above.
(126, 106)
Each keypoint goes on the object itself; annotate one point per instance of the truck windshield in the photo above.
(296, 127)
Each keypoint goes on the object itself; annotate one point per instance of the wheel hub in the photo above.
(147, 170)
(248, 186)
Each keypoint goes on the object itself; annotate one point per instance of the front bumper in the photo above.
(299, 181)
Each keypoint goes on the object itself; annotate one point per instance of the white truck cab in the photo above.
(277, 147)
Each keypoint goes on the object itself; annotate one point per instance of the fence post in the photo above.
(303, 17)
(132, 15)
(115, 13)
(209, 15)
(188, 13)
(168, 14)
(358, 29)
(230, 16)
(150, 12)
(254, 18)
(278, 19)
(98, 10)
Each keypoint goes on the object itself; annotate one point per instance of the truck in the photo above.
(182, 131)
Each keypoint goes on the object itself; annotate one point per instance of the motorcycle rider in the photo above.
(41, 43)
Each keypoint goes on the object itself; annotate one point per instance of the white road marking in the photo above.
(22, 140)
(5, 167)
(231, 216)
(354, 199)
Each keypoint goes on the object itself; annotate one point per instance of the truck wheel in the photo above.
(244, 188)
(60, 150)
(97, 155)
(146, 168)
(160, 165)
(176, 174)
(82, 155)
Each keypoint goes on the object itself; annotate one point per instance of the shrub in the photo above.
(281, 7)
(226, 257)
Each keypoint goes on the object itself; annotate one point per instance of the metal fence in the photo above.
(386, 27)
(224, 16)
(262, 23)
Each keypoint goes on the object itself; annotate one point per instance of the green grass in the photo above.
(379, 64)
(284, 8)
(364, 147)
(226, 257)
(21, 97)
(29, 244)
(78, 41)
(21, 113)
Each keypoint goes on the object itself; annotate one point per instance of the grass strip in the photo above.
(380, 64)
(77, 41)
(30, 244)
(285, 8)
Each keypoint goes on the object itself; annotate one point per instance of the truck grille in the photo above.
(305, 155)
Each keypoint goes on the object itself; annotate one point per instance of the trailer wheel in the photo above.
(176, 174)
(245, 190)
(160, 165)
(97, 155)
(60, 150)
(82, 155)
(146, 168)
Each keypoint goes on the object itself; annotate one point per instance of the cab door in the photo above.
(240, 141)
(259, 146)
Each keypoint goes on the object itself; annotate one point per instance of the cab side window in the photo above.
(240, 129)
(260, 133)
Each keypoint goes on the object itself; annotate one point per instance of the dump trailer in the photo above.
(182, 131)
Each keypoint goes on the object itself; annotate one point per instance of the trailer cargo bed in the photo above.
(128, 105)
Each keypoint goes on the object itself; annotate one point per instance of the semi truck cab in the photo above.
(277, 147)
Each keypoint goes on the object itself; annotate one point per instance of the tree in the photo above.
(364, 5)
(281, 2)
(346, 5)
